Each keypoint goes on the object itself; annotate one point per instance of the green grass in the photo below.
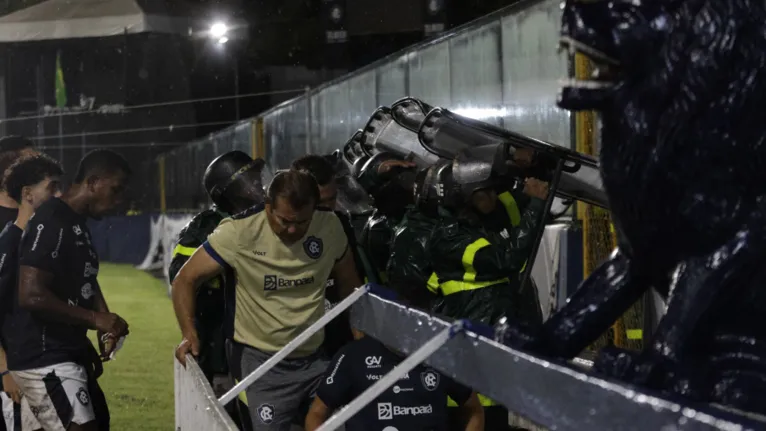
(139, 382)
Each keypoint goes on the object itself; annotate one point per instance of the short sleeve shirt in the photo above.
(418, 401)
(9, 268)
(279, 288)
(57, 241)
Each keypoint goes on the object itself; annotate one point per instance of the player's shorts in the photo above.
(57, 395)
(281, 397)
(18, 417)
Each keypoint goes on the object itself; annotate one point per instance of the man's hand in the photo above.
(389, 165)
(110, 324)
(536, 188)
(11, 388)
(523, 157)
(190, 344)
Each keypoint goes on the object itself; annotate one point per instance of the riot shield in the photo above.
(384, 133)
(353, 155)
(446, 134)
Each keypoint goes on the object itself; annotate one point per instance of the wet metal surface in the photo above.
(553, 395)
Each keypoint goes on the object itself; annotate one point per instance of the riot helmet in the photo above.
(440, 186)
(233, 181)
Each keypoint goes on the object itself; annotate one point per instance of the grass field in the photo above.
(139, 382)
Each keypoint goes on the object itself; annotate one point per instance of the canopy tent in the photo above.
(72, 19)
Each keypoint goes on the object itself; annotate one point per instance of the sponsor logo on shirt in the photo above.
(40, 228)
(260, 253)
(77, 230)
(504, 233)
(373, 361)
(378, 377)
(313, 247)
(83, 397)
(266, 413)
(398, 389)
(73, 303)
(430, 380)
(331, 379)
(273, 282)
(89, 270)
(387, 411)
(55, 253)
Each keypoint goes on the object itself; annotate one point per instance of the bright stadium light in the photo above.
(223, 40)
(219, 30)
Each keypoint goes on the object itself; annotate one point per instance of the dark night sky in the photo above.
(290, 33)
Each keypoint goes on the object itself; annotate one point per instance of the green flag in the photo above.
(60, 85)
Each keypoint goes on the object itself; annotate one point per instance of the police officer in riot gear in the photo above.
(389, 180)
(233, 182)
(456, 245)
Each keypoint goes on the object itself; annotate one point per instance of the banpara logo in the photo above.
(387, 411)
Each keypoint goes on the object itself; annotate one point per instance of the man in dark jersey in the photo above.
(338, 331)
(418, 401)
(233, 182)
(59, 299)
(12, 148)
(29, 182)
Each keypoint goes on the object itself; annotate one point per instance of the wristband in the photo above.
(4, 373)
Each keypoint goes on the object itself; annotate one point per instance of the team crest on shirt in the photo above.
(313, 247)
(83, 397)
(266, 413)
(86, 291)
(430, 380)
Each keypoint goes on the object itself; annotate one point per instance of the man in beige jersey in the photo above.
(279, 257)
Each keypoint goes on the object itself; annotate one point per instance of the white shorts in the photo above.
(18, 417)
(57, 395)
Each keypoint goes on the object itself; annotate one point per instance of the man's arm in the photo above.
(346, 275)
(334, 390)
(36, 297)
(473, 410)
(318, 413)
(470, 406)
(200, 267)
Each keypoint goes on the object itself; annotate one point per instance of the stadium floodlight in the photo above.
(218, 31)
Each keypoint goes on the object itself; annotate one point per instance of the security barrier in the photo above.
(196, 405)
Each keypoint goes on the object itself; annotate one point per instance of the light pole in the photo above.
(219, 32)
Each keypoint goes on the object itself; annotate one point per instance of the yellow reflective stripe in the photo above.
(486, 402)
(242, 395)
(452, 287)
(511, 207)
(433, 283)
(183, 251)
(635, 334)
(468, 256)
(366, 280)
(506, 198)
